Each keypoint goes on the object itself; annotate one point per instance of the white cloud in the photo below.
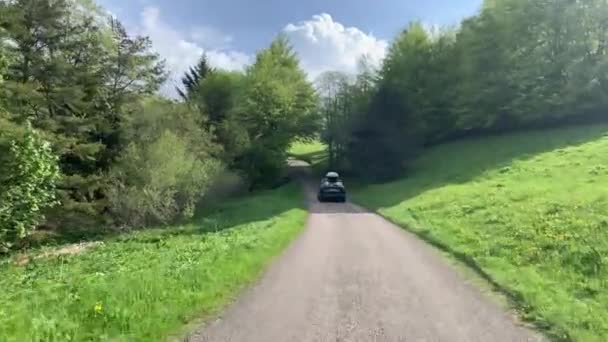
(210, 37)
(324, 44)
(321, 43)
(181, 51)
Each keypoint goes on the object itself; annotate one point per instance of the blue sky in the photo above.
(328, 35)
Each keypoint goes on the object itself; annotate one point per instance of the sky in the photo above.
(326, 34)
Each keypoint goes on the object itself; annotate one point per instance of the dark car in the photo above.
(332, 188)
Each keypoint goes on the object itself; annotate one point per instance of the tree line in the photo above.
(87, 144)
(517, 64)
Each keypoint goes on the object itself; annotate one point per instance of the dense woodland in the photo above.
(517, 64)
(87, 143)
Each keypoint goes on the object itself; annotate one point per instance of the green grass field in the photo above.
(530, 210)
(312, 152)
(147, 285)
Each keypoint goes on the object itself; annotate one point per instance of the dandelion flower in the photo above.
(98, 308)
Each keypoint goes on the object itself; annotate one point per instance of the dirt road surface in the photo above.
(352, 276)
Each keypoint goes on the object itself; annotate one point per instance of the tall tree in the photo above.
(71, 75)
(192, 78)
(217, 93)
(516, 64)
(333, 89)
(131, 69)
(392, 128)
(278, 105)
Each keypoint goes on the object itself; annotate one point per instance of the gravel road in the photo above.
(353, 276)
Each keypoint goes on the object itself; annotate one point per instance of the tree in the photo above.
(167, 167)
(516, 64)
(27, 187)
(3, 62)
(193, 78)
(72, 76)
(131, 69)
(216, 98)
(277, 106)
(217, 93)
(392, 128)
(384, 139)
(333, 89)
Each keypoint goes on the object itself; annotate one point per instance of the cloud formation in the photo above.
(210, 38)
(180, 52)
(321, 43)
(324, 44)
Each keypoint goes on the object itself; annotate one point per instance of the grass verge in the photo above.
(146, 285)
(529, 211)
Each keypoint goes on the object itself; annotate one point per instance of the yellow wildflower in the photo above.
(98, 308)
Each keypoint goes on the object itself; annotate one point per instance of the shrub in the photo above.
(227, 184)
(160, 182)
(264, 166)
(27, 186)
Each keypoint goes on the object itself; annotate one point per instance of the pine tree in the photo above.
(193, 78)
(71, 77)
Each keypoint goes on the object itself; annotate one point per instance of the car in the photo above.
(332, 188)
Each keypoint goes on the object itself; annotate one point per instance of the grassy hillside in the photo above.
(529, 209)
(146, 285)
(313, 152)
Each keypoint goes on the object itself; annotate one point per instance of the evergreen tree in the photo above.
(193, 78)
(71, 78)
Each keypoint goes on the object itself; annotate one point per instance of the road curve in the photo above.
(353, 276)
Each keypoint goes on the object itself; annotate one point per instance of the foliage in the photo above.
(277, 106)
(27, 187)
(193, 78)
(217, 96)
(314, 153)
(305, 149)
(160, 182)
(516, 64)
(344, 104)
(151, 117)
(146, 285)
(256, 115)
(384, 131)
(525, 207)
(131, 69)
(72, 73)
(335, 89)
(3, 62)
(166, 168)
(89, 87)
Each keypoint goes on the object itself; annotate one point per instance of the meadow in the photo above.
(147, 285)
(528, 210)
(313, 152)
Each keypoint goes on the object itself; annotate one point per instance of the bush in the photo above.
(160, 182)
(263, 165)
(167, 165)
(226, 185)
(3, 62)
(27, 186)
